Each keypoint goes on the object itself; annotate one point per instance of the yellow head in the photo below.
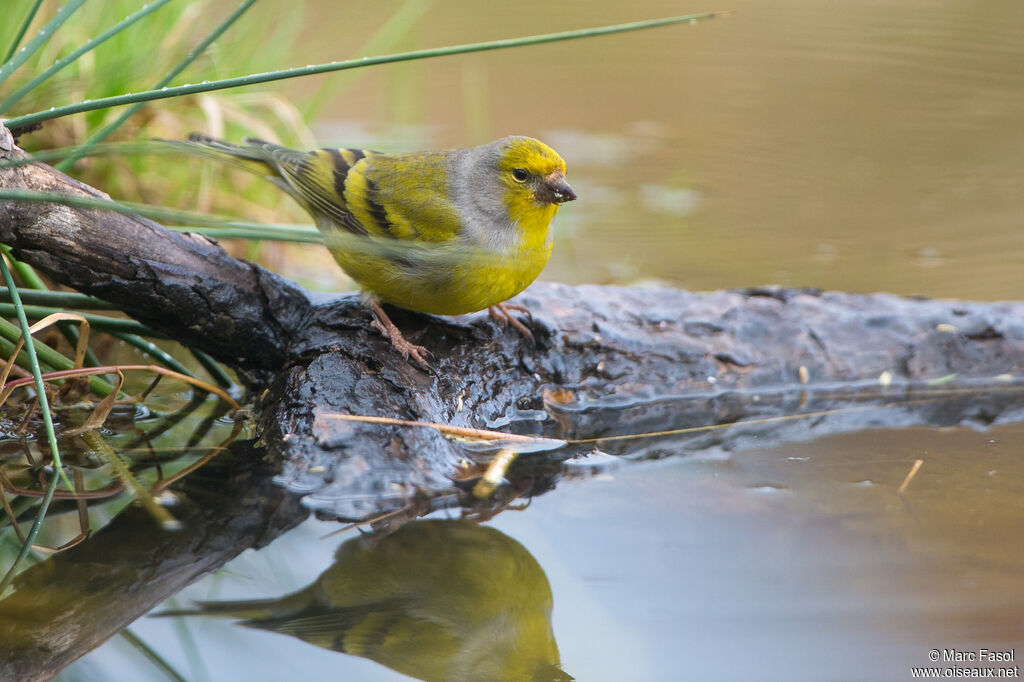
(506, 193)
(533, 172)
(518, 182)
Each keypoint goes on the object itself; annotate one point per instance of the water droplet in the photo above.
(769, 489)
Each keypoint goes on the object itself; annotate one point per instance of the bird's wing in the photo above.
(406, 197)
(317, 179)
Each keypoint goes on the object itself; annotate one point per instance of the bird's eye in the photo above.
(520, 174)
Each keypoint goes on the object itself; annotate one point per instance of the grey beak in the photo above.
(562, 191)
(555, 189)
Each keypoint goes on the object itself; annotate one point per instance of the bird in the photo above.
(444, 600)
(440, 232)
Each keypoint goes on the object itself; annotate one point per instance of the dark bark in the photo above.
(618, 360)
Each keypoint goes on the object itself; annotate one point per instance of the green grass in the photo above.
(133, 60)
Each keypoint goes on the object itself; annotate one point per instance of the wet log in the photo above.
(607, 360)
(629, 360)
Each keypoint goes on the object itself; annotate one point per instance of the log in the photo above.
(608, 360)
(620, 360)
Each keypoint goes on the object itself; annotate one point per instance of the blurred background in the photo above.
(870, 146)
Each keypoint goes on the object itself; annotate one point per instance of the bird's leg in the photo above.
(383, 324)
(501, 313)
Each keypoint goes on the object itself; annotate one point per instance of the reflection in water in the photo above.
(436, 600)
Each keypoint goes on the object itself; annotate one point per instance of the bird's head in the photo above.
(533, 172)
(510, 189)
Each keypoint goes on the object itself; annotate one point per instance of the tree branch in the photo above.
(183, 285)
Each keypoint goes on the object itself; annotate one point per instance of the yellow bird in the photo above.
(449, 601)
(446, 232)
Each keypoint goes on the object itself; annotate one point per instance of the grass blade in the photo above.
(142, 496)
(151, 654)
(15, 96)
(42, 303)
(58, 299)
(398, 25)
(22, 55)
(275, 233)
(51, 437)
(213, 368)
(21, 30)
(106, 130)
(152, 350)
(109, 324)
(49, 356)
(191, 222)
(125, 208)
(254, 79)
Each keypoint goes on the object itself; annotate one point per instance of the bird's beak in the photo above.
(555, 189)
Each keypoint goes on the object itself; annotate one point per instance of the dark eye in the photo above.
(520, 174)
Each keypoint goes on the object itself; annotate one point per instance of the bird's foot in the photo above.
(387, 328)
(501, 313)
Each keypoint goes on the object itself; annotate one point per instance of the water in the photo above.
(686, 569)
(871, 146)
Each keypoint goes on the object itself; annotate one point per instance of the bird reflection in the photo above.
(435, 600)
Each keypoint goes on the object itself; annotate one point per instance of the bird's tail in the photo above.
(253, 609)
(255, 156)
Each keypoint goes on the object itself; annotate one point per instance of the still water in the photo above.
(870, 146)
(794, 563)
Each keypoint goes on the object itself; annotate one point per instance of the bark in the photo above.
(608, 360)
(620, 360)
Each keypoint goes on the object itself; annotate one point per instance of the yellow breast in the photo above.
(446, 282)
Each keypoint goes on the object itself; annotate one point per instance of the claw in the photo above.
(501, 313)
(387, 328)
(518, 308)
